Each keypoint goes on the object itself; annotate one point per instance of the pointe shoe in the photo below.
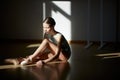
(26, 62)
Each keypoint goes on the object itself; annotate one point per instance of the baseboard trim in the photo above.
(40, 40)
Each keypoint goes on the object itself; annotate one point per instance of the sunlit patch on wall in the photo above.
(61, 12)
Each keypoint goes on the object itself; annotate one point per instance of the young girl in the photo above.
(53, 41)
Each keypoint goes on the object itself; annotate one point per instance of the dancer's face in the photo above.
(46, 28)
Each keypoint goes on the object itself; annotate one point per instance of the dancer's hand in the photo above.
(39, 63)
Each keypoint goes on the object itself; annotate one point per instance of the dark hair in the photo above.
(50, 21)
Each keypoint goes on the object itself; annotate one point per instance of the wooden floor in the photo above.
(85, 63)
